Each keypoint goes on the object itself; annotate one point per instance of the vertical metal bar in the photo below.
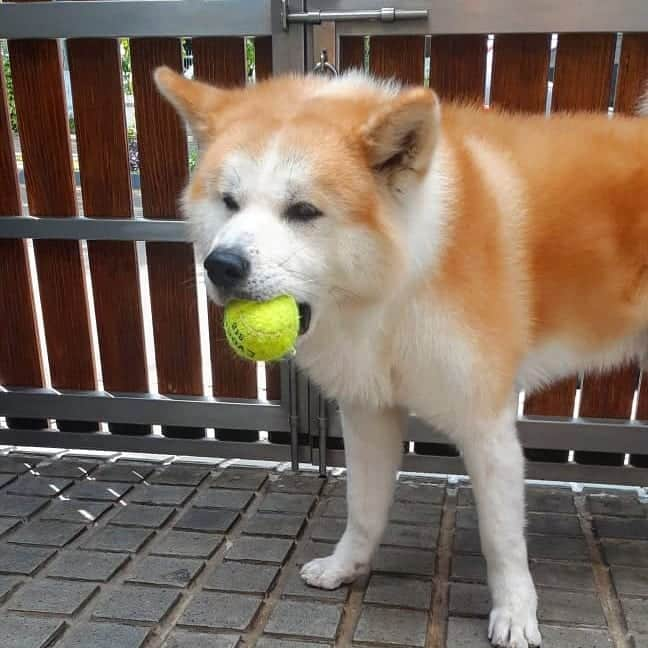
(288, 53)
(294, 416)
(323, 433)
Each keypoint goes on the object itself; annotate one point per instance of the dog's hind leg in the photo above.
(494, 459)
(373, 442)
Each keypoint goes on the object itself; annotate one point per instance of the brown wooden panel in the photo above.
(221, 61)
(20, 363)
(557, 400)
(162, 145)
(520, 71)
(401, 57)
(351, 54)
(458, 67)
(642, 405)
(583, 72)
(95, 72)
(633, 72)
(609, 395)
(42, 121)
(263, 57)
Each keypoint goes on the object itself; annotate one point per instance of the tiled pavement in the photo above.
(130, 554)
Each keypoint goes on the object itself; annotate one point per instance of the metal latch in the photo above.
(385, 15)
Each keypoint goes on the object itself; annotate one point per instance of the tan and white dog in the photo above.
(444, 257)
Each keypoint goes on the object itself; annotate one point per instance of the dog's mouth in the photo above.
(305, 313)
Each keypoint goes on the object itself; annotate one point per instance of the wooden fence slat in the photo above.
(49, 179)
(103, 154)
(162, 146)
(520, 71)
(20, 360)
(221, 61)
(351, 55)
(582, 81)
(401, 57)
(458, 67)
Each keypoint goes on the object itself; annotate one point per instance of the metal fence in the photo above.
(550, 57)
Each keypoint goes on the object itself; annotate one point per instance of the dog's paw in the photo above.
(513, 629)
(329, 573)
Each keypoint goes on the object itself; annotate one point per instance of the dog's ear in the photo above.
(401, 135)
(194, 101)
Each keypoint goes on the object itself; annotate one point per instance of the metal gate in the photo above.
(587, 55)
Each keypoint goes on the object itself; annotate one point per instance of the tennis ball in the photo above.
(262, 331)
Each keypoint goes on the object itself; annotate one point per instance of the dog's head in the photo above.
(301, 183)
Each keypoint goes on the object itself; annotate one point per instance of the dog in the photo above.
(443, 256)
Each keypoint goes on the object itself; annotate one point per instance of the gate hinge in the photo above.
(385, 15)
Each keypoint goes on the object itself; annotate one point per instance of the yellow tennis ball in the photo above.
(262, 331)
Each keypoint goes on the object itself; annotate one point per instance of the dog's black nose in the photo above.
(227, 267)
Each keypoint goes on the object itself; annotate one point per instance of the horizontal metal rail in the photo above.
(191, 411)
(494, 16)
(116, 18)
(93, 229)
(152, 444)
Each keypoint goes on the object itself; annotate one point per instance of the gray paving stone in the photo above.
(186, 543)
(7, 585)
(186, 639)
(52, 596)
(568, 576)
(243, 478)
(123, 471)
(467, 541)
(206, 520)
(624, 506)
(628, 528)
(410, 535)
(557, 548)
(302, 483)
(412, 490)
(304, 619)
(7, 524)
(415, 513)
(38, 486)
(468, 568)
(94, 490)
(137, 604)
(537, 523)
(170, 572)
(25, 560)
(161, 495)
(242, 577)
(632, 581)
(396, 591)
(295, 587)
(220, 611)
(557, 637)
(223, 498)
(87, 565)
(391, 626)
(335, 488)
(140, 515)
(50, 533)
(468, 633)
(633, 553)
(19, 506)
(104, 635)
(179, 474)
(260, 549)
(84, 511)
(274, 524)
(29, 632)
(469, 600)
(549, 500)
(641, 641)
(555, 606)
(16, 464)
(68, 468)
(336, 507)
(636, 614)
(404, 561)
(6, 479)
(270, 642)
(287, 503)
(328, 529)
(118, 539)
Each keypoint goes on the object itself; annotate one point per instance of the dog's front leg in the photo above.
(495, 462)
(373, 446)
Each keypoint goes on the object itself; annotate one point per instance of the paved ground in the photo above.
(131, 554)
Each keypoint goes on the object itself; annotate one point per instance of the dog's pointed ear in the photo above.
(195, 102)
(402, 134)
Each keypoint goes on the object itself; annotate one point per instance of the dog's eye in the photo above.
(302, 211)
(230, 202)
